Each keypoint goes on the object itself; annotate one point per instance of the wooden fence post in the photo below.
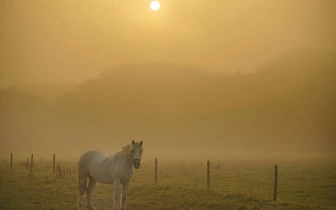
(31, 165)
(54, 165)
(11, 166)
(156, 169)
(11, 161)
(208, 174)
(275, 182)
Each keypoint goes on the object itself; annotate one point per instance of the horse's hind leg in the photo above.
(89, 193)
(81, 188)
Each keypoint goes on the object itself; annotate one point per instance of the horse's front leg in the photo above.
(124, 194)
(116, 194)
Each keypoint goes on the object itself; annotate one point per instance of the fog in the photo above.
(195, 78)
(44, 41)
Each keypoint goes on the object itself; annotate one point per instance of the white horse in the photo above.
(113, 169)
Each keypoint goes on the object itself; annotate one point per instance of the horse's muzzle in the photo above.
(136, 164)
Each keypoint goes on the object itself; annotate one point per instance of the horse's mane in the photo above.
(126, 151)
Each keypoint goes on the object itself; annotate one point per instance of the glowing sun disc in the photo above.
(155, 5)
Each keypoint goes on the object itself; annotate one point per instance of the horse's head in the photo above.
(136, 151)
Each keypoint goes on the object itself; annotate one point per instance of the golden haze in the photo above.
(233, 75)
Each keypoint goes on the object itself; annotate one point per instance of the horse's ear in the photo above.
(141, 142)
(133, 142)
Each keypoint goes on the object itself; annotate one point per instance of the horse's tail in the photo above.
(82, 164)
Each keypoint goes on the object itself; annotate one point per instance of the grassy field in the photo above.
(245, 183)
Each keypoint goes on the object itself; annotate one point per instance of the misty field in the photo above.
(244, 183)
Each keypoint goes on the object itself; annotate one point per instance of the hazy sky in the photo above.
(66, 40)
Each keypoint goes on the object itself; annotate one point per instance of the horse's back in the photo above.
(90, 157)
(96, 164)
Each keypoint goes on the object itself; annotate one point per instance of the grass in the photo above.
(235, 184)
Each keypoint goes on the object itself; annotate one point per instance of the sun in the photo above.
(154, 5)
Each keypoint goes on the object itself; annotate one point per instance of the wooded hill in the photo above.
(287, 104)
